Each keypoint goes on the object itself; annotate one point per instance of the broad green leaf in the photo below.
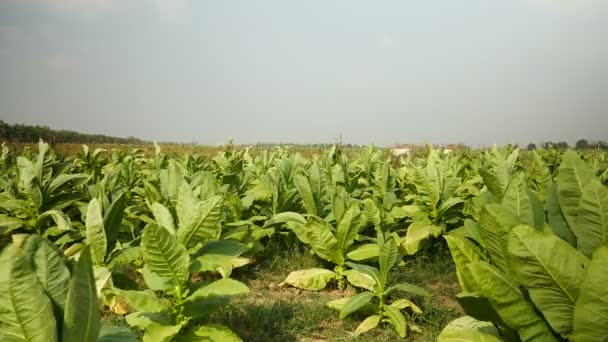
(305, 191)
(364, 252)
(50, 268)
(466, 336)
(286, 217)
(103, 279)
(348, 227)
(310, 279)
(419, 233)
(494, 226)
(551, 270)
(573, 176)
(26, 313)
(203, 223)
(517, 200)
(591, 307)
(154, 281)
(368, 324)
(406, 303)
(114, 333)
(463, 253)
(96, 234)
(220, 287)
(389, 256)
(209, 333)
(8, 224)
(370, 271)
(217, 256)
(360, 279)
(82, 319)
(355, 303)
(64, 178)
(61, 220)
(324, 243)
(143, 320)
(165, 256)
(591, 227)
(162, 215)
(370, 210)
(478, 330)
(510, 304)
(555, 217)
(396, 318)
(161, 333)
(338, 304)
(410, 289)
(112, 218)
(146, 300)
(209, 297)
(125, 256)
(476, 305)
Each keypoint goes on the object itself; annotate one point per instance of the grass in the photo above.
(271, 313)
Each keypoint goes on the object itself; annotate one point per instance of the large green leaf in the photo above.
(389, 256)
(494, 226)
(591, 307)
(555, 217)
(364, 252)
(368, 324)
(142, 300)
(324, 243)
(466, 336)
(355, 303)
(305, 190)
(410, 289)
(161, 333)
(96, 234)
(396, 318)
(551, 270)
(62, 179)
(419, 233)
(82, 319)
(516, 198)
(348, 227)
(165, 256)
(360, 279)
(463, 253)
(510, 303)
(50, 268)
(112, 218)
(469, 327)
(209, 297)
(591, 227)
(573, 176)
(114, 333)
(209, 333)
(26, 313)
(201, 222)
(163, 217)
(310, 279)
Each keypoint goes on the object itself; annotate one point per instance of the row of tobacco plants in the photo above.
(156, 238)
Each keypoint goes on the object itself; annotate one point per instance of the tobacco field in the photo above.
(333, 244)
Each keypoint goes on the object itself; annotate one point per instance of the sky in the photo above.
(405, 71)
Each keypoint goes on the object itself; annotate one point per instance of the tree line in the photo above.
(31, 134)
(581, 144)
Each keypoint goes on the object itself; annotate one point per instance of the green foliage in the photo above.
(375, 301)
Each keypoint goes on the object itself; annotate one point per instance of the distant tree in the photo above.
(531, 146)
(582, 144)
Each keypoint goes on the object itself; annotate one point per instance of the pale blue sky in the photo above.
(472, 71)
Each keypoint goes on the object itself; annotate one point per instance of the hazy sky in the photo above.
(409, 71)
